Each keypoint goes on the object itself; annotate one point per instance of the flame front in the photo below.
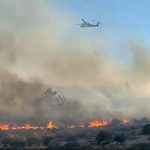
(52, 125)
(4, 126)
(98, 123)
(29, 126)
(71, 126)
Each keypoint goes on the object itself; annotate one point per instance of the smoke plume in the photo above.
(40, 45)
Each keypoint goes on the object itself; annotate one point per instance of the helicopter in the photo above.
(87, 24)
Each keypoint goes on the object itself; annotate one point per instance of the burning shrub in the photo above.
(146, 129)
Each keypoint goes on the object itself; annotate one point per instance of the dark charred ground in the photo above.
(115, 136)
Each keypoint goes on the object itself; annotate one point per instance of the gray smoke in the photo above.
(40, 45)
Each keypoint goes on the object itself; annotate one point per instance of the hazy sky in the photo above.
(126, 19)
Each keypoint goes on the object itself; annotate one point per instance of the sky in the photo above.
(125, 19)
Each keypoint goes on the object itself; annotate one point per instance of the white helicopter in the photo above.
(86, 24)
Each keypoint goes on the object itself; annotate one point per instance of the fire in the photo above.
(71, 126)
(125, 121)
(98, 123)
(4, 126)
(29, 126)
(81, 126)
(51, 125)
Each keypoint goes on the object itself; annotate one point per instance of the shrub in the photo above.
(120, 137)
(103, 136)
(5, 141)
(146, 129)
(140, 146)
(71, 146)
(46, 140)
(18, 142)
(34, 140)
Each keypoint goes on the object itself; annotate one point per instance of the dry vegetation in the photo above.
(135, 135)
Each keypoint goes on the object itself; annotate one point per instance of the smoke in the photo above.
(15, 96)
(40, 45)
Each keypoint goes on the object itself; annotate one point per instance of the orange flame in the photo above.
(98, 123)
(81, 126)
(125, 121)
(51, 125)
(71, 126)
(4, 126)
(29, 126)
